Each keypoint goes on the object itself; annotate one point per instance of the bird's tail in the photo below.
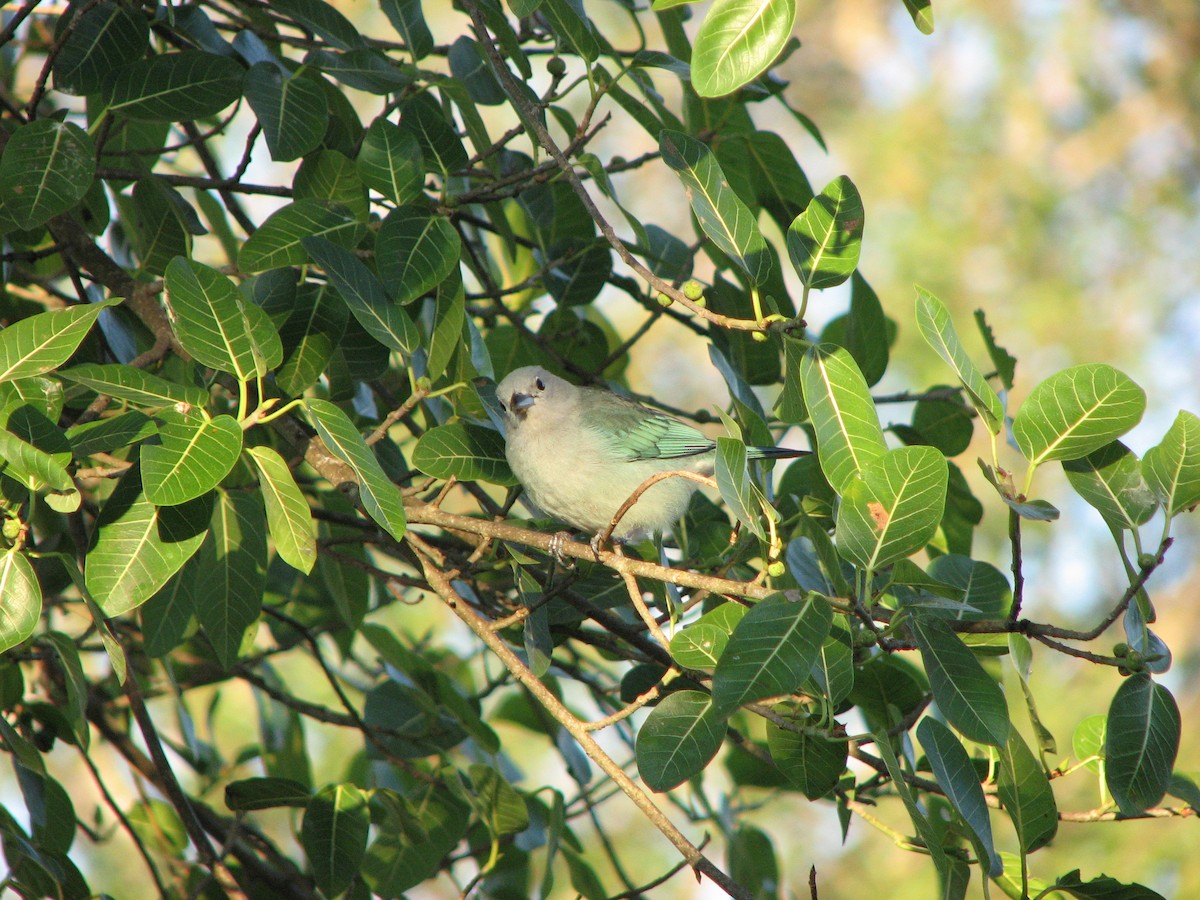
(774, 453)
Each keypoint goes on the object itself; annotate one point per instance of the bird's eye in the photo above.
(539, 384)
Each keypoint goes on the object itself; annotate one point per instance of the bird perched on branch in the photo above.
(582, 452)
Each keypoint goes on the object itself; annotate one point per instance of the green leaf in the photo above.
(1142, 741)
(324, 21)
(737, 490)
(449, 317)
(311, 334)
(737, 41)
(415, 251)
(463, 451)
(954, 772)
(45, 341)
(155, 226)
(1026, 794)
(571, 24)
(678, 739)
(699, 646)
(391, 163)
(842, 413)
(251, 794)
(215, 323)
(935, 325)
(195, 454)
(924, 828)
(383, 318)
(721, 213)
(808, 759)
(174, 87)
(409, 21)
(774, 180)
(502, 808)
(278, 242)
(1005, 362)
(233, 560)
(1103, 888)
(425, 119)
(1110, 479)
(334, 834)
(1076, 411)
(379, 496)
(396, 861)
(290, 108)
(140, 546)
(331, 177)
(1172, 468)
(136, 386)
(824, 241)
(893, 508)
(46, 169)
(922, 14)
(22, 606)
(107, 35)
(75, 682)
(967, 695)
(288, 515)
(771, 651)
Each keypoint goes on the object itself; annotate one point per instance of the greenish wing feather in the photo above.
(636, 432)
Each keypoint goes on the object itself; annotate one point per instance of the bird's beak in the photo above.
(520, 404)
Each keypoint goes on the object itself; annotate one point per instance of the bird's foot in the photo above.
(597, 543)
(558, 541)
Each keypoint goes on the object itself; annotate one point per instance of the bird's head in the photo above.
(530, 387)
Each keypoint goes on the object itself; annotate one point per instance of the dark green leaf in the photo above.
(106, 36)
(1110, 479)
(174, 87)
(278, 241)
(463, 451)
(290, 108)
(46, 169)
(771, 652)
(409, 21)
(1026, 794)
(1141, 743)
(957, 777)
(324, 21)
(334, 835)
(136, 386)
(265, 793)
(810, 760)
(391, 163)
(678, 739)
(968, 696)
(195, 454)
(416, 251)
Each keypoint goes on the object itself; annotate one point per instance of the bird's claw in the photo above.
(558, 542)
(596, 543)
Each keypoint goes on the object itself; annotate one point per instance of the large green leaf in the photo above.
(227, 597)
(311, 335)
(842, 413)
(174, 87)
(737, 41)
(195, 454)
(46, 169)
(35, 468)
(290, 108)
(22, 595)
(824, 241)
(1076, 411)
(1172, 467)
(390, 162)
(399, 859)
(935, 325)
(136, 386)
(140, 546)
(954, 772)
(45, 341)
(416, 250)
(324, 21)
(894, 508)
(967, 695)
(278, 242)
(215, 323)
(722, 215)
(383, 318)
(379, 496)
(738, 491)
(463, 451)
(106, 36)
(809, 759)
(155, 226)
(1110, 479)
(678, 739)
(288, 515)
(1026, 794)
(409, 21)
(334, 834)
(1141, 744)
(771, 651)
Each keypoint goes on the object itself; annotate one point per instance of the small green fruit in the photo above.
(664, 301)
(1121, 649)
(556, 66)
(701, 302)
(12, 528)
(775, 568)
(759, 336)
(693, 290)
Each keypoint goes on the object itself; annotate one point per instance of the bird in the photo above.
(581, 452)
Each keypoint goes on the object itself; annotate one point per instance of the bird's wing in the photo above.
(635, 432)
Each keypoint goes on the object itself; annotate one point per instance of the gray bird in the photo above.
(580, 452)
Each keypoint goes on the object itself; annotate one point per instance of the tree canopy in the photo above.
(273, 621)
